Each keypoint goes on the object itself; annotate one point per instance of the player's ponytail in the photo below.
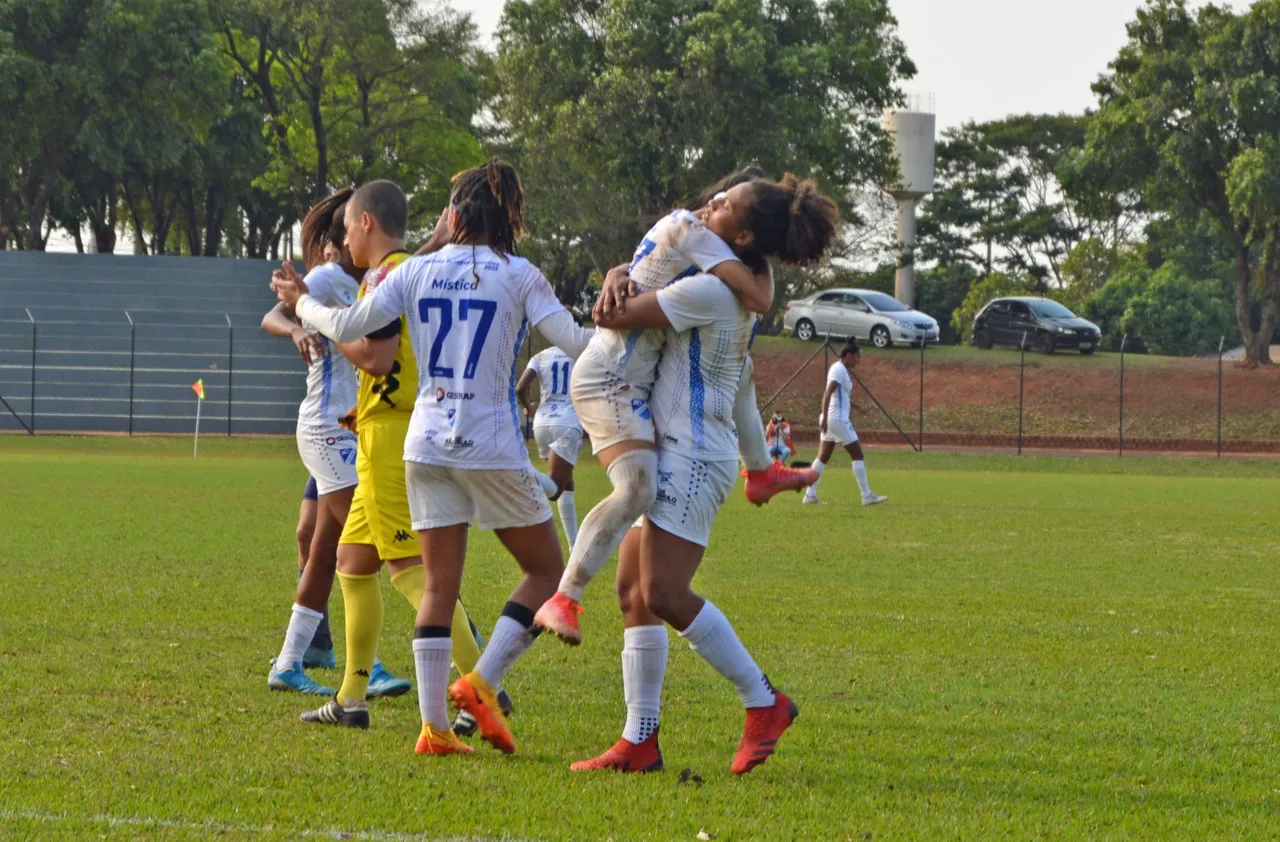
(792, 220)
(324, 225)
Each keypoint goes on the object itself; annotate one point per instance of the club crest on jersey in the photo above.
(348, 455)
(453, 416)
(640, 407)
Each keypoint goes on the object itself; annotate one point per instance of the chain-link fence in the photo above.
(1019, 399)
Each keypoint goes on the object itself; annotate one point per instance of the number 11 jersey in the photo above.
(469, 311)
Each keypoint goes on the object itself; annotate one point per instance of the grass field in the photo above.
(1036, 648)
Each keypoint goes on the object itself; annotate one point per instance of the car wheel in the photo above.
(805, 330)
(880, 337)
(982, 338)
(1046, 345)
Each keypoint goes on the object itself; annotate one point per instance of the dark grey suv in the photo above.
(1042, 323)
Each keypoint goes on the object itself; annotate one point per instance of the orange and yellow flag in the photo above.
(198, 388)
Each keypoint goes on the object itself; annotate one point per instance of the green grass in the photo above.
(1036, 648)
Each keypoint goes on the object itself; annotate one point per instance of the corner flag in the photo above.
(198, 388)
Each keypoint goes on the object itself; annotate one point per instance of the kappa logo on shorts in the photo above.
(402, 536)
(665, 477)
(640, 407)
(348, 455)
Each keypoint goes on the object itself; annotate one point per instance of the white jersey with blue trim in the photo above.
(553, 368)
(331, 379)
(469, 311)
(702, 357)
(838, 405)
(678, 246)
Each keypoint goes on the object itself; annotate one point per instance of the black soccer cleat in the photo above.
(332, 713)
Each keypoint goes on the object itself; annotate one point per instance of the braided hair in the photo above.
(489, 200)
(324, 225)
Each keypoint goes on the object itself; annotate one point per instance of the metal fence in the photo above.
(121, 375)
(1019, 399)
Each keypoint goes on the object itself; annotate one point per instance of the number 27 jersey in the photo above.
(469, 312)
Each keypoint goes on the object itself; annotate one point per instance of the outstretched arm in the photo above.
(341, 325)
(280, 321)
(372, 356)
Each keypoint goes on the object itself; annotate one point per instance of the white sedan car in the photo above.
(861, 313)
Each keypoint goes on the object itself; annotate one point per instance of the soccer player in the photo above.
(836, 427)
(779, 435)
(705, 347)
(469, 307)
(751, 221)
(328, 452)
(555, 428)
(378, 527)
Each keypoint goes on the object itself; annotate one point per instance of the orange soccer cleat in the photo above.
(763, 486)
(559, 616)
(760, 735)
(626, 757)
(436, 742)
(472, 694)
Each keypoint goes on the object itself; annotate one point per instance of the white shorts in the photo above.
(329, 455)
(840, 432)
(561, 439)
(690, 494)
(613, 414)
(487, 498)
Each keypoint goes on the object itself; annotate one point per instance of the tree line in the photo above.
(207, 127)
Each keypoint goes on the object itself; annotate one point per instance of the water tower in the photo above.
(912, 133)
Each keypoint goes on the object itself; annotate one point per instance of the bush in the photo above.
(1178, 316)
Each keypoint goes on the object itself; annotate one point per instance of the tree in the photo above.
(67, 63)
(616, 110)
(1189, 111)
(1176, 315)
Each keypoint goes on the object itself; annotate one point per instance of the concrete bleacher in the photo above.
(118, 341)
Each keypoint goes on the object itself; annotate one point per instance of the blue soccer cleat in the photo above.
(319, 658)
(383, 683)
(296, 681)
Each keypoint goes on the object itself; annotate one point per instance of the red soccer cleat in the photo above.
(471, 694)
(626, 757)
(763, 486)
(761, 733)
(559, 616)
(439, 743)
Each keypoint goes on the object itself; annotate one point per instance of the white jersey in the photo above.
(702, 359)
(331, 379)
(679, 245)
(553, 368)
(838, 406)
(466, 334)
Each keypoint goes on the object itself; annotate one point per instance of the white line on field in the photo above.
(247, 829)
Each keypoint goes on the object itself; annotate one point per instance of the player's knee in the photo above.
(662, 599)
(637, 491)
(305, 532)
(629, 596)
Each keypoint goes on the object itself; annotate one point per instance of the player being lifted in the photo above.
(836, 427)
(469, 307)
(378, 528)
(613, 379)
(555, 428)
(328, 452)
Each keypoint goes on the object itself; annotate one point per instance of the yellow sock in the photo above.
(362, 599)
(411, 583)
(465, 652)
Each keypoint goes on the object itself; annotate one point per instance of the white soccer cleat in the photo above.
(811, 501)
(874, 499)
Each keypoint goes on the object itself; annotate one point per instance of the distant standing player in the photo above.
(836, 427)
(556, 428)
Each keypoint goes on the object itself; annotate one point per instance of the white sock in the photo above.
(302, 627)
(548, 485)
(711, 636)
(812, 491)
(644, 664)
(635, 485)
(860, 474)
(431, 658)
(752, 446)
(568, 517)
(509, 641)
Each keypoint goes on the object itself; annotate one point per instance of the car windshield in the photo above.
(883, 303)
(1051, 310)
